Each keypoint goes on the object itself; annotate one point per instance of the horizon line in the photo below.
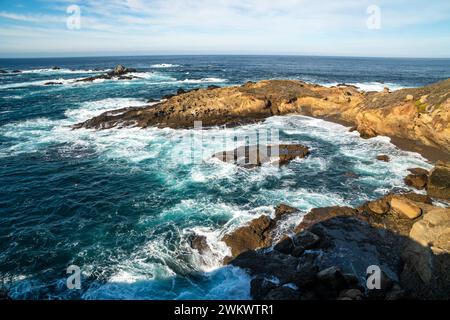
(122, 55)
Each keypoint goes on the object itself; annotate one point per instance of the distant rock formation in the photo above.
(120, 72)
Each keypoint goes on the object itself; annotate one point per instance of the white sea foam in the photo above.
(152, 269)
(62, 71)
(204, 80)
(370, 86)
(165, 65)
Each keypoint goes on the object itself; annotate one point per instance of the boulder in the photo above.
(320, 214)
(306, 239)
(283, 210)
(253, 236)
(282, 294)
(384, 158)
(333, 278)
(433, 230)
(56, 68)
(306, 271)
(380, 206)
(351, 294)
(419, 171)
(439, 181)
(405, 208)
(260, 287)
(418, 181)
(121, 70)
(285, 246)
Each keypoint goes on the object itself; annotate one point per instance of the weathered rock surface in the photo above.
(253, 236)
(439, 181)
(329, 255)
(405, 207)
(372, 113)
(283, 210)
(254, 156)
(418, 181)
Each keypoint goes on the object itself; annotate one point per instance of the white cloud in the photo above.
(297, 26)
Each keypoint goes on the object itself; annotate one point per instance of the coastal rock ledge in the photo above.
(419, 115)
(331, 252)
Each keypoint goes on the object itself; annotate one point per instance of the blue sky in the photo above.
(408, 28)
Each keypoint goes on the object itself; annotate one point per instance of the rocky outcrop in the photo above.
(253, 236)
(439, 181)
(3, 72)
(119, 72)
(424, 119)
(254, 156)
(333, 248)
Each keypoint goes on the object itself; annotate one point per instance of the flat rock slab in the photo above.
(255, 156)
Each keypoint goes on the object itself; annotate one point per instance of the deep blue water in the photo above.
(120, 204)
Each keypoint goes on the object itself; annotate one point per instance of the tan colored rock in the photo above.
(418, 181)
(253, 236)
(405, 207)
(409, 97)
(433, 230)
(380, 206)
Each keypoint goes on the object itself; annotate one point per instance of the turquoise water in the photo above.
(121, 204)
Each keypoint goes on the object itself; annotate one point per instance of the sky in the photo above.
(370, 28)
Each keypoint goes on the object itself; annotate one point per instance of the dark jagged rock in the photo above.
(199, 243)
(56, 68)
(119, 72)
(329, 256)
(51, 83)
(253, 156)
(3, 72)
(439, 181)
(16, 71)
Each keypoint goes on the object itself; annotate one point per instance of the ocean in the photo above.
(117, 205)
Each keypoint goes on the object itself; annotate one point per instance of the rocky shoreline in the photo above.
(328, 254)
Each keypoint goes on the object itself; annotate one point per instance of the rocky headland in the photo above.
(416, 118)
(328, 254)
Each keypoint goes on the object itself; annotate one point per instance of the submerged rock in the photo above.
(199, 243)
(383, 158)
